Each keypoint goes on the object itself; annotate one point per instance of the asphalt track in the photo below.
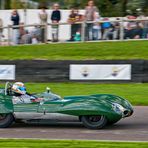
(134, 128)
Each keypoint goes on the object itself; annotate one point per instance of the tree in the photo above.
(114, 1)
(8, 4)
(16, 4)
(124, 7)
(106, 7)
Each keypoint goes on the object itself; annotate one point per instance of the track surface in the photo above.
(134, 128)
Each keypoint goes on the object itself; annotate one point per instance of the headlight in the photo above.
(118, 108)
(128, 104)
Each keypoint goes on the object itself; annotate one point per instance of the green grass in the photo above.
(78, 51)
(10, 143)
(137, 94)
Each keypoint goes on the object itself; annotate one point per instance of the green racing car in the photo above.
(93, 111)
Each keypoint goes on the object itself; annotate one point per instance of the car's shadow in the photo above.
(117, 126)
(50, 125)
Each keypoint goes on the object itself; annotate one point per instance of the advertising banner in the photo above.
(100, 72)
(7, 72)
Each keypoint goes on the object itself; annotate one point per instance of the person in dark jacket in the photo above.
(55, 18)
(15, 20)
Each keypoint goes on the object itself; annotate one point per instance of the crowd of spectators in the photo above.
(96, 27)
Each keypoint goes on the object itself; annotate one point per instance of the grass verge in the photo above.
(78, 51)
(11, 143)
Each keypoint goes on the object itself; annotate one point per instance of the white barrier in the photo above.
(64, 28)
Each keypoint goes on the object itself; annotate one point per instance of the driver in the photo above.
(18, 89)
(20, 94)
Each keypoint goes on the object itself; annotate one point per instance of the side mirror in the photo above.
(48, 89)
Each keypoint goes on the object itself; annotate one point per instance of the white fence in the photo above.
(31, 19)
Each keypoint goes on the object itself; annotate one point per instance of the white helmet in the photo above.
(19, 88)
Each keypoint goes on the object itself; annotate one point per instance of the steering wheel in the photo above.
(8, 90)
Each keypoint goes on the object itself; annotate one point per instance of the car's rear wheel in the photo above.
(94, 122)
(6, 120)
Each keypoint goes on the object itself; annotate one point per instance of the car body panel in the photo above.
(6, 105)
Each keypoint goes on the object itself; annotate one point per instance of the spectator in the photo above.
(15, 19)
(72, 20)
(89, 16)
(77, 36)
(26, 38)
(106, 29)
(131, 27)
(111, 30)
(134, 29)
(96, 26)
(43, 21)
(145, 29)
(144, 25)
(116, 34)
(75, 17)
(36, 34)
(21, 31)
(79, 18)
(55, 18)
(1, 30)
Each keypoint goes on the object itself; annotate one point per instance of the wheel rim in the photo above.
(95, 120)
(2, 117)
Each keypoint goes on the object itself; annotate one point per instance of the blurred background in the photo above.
(107, 7)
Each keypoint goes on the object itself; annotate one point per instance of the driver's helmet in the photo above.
(19, 88)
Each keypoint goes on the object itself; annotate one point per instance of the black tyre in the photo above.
(94, 122)
(6, 120)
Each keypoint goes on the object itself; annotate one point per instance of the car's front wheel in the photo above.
(94, 122)
(6, 120)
